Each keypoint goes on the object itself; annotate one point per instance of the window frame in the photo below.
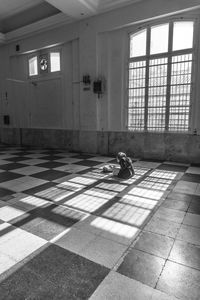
(195, 59)
(39, 53)
(28, 65)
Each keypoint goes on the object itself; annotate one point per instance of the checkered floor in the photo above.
(69, 231)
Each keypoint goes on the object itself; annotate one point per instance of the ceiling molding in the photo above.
(43, 25)
(109, 5)
(77, 9)
(2, 38)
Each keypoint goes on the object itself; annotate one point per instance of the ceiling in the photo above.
(21, 17)
(15, 14)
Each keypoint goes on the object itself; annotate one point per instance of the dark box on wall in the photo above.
(6, 119)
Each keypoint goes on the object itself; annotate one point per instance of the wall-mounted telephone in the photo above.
(6, 119)
(99, 87)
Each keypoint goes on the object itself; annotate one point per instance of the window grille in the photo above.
(160, 84)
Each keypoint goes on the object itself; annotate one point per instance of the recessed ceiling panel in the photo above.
(12, 7)
(25, 17)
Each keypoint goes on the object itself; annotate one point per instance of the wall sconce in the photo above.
(99, 86)
(86, 79)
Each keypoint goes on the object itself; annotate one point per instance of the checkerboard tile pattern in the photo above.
(69, 231)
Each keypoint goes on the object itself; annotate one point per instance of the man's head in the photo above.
(120, 155)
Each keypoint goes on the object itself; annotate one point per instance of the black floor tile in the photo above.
(85, 171)
(45, 229)
(83, 156)
(191, 177)
(55, 218)
(174, 168)
(5, 192)
(83, 277)
(77, 276)
(60, 215)
(50, 175)
(50, 164)
(40, 188)
(12, 166)
(47, 290)
(156, 244)
(142, 266)
(88, 163)
(17, 159)
(152, 160)
(7, 197)
(7, 175)
(51, 157)
(19, 285)
(21, 153)
(196, 198)
(53, 152)
(194, 207)
(27, 221)
(195, 165)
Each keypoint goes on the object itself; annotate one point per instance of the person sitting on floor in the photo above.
(126, 167)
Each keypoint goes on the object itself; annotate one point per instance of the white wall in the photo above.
(101, 51)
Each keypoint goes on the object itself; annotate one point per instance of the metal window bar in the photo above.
(136, 103)
(160, 91)
(157, 94)
(180, 93)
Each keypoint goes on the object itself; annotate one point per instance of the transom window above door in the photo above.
(41, 63)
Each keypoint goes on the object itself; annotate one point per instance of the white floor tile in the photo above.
(6, 262)
(33, 161)
(119, 287)
(29, 170)
(176, 163)
(192, 220)
(18, 244)
(75, 240)
(193, 170)
(146, 164)
(198, 190)
(104, 252)
(185, 187)
(189, 234)
(71, 168)
(4, 162)
(68, 160)
(7, 156)
(8, 213)
(35, 155)
(101, 158)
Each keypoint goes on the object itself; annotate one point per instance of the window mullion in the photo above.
(147, 79)
(169, 68)
(161, 83)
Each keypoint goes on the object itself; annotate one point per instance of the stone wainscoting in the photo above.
(177, 147)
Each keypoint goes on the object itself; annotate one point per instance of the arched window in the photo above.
(160, 77)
